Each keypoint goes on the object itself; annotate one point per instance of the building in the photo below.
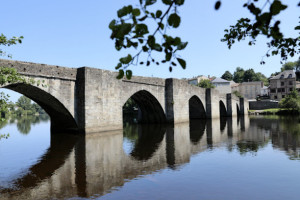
(250, 90)
(196, 80)
(264, 91)
(282, 84)
(222, 85)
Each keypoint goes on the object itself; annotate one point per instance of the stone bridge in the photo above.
(91, 100)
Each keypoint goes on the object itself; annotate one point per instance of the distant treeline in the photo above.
(24, 106)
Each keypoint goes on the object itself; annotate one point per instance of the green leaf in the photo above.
(118, 66)
(297, 28)
(158, 13)
(121, 74)
(161, 25)
(143, 18)
(124, 11)
(150, 2)
(157, 47)
(168, 56)
(167, 2)
(136, 12)
(182, 45)
(174, 20)
(217, 5)
(179, 2)
(182, 62)
(141, 30)
(128, 74)
(126, 60)
(112, 24)
(277, 7)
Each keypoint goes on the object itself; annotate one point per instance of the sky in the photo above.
(75, 33)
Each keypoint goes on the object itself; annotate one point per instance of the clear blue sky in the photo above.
(75, 33)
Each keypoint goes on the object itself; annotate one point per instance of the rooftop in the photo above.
(285, 74)
(220, 80)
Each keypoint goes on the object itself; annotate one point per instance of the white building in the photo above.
(222, 85)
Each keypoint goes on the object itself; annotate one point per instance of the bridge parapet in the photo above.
(42, 70)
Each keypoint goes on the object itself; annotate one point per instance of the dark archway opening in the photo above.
(196, 108)
(237, 109)
(61, 118)
(143, 108)
(223, 112)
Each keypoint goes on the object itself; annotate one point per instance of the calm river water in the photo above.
(233, 158)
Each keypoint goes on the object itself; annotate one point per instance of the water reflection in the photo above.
(24, 122)
(94, 165)
(147, 139)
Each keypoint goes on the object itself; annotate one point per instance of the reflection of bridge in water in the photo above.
(96, 163)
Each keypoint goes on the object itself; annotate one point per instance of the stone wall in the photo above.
(261, 105)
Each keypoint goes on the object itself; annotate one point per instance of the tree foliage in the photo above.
(205, 84)
(7, 75)
(131, 30)
(291, 66)
(264, 23)
(291, 101)
(240, 75)
(227, 76)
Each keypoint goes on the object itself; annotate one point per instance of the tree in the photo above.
(24, 103)
(249, 76)
(238, 75)
(206, 84)
(291, 101)
(7, 75)
(131, 30)
(227, 76)
(288, 66)
(263, 78)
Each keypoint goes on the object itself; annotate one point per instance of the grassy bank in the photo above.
(274, 111)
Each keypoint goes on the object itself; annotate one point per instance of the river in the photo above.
(256, 157)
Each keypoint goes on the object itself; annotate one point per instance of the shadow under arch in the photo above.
(196, 108)
(223, 112)
(237, 109)
(150, 110)
(61, 118)
(147, 139)
(197, 130)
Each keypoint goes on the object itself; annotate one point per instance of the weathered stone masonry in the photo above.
(91, 100)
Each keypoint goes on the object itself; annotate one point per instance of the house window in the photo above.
(291, 89)
(273, 91)
(282, 89)
(282, 76)
(282, 83)
(283, 96)
(290, 82)
(290, 76)
(275, 97)
(279, 90)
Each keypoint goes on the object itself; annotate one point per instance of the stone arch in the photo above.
(61, 118)
(223, 111)
(150, 110)
(196, 108)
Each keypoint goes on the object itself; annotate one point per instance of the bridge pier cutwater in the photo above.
(90, 100)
